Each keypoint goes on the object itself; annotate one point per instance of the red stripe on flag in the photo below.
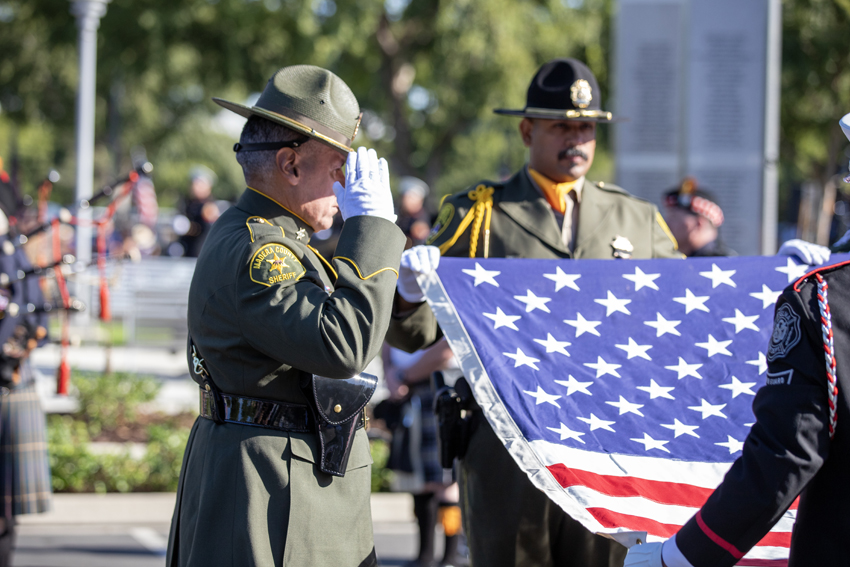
(673, 493)
(610, 519)
(762, 563)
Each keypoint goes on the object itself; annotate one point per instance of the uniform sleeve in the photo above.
(418, 328)
(784, 450)
(664, 244)
(287, 314)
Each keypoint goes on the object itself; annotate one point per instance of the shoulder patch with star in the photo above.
(275, 264)
(447, 212)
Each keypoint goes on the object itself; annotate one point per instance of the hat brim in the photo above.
(556, 114)
(249, 111)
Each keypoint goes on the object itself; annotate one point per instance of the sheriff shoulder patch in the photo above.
(275, 264)
(447, 212)
(786, 333)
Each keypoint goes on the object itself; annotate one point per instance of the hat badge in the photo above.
(581, 94)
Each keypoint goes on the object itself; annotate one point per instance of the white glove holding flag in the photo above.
(806, 252)
(367, 187)
(645, 555)
(416, 261)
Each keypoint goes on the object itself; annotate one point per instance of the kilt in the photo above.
(24, 465)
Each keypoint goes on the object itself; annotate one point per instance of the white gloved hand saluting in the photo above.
(806, 252)
(416, 261)
(367, 187)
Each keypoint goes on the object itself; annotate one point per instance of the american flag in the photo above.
(623, 388)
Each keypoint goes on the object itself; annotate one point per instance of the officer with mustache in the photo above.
(548, 209)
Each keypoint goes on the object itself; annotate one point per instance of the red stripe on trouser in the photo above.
(673, 493)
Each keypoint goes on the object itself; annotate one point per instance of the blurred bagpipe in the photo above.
(29, 292)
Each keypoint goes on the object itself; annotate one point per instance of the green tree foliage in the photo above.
(815, 88)
(427, 73)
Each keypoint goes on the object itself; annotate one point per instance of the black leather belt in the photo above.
(281, 416)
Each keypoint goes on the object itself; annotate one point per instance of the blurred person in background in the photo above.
(24, 465)
(414, 453)
(199, 209)
(414, 218)
(694, 218)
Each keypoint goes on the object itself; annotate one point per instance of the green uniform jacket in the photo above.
(524, 226)
(507, 520)
(264, 311)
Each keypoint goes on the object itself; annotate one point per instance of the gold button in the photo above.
(208, 387)
(337, 408)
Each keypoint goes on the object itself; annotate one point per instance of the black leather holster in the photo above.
(454, 406)
(337, 406)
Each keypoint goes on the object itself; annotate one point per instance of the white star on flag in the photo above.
(767, 296)
(583, 326)
(718, 276)
(563, 280)
(521, 359)
(656, 391)
(633, 349)
(533, 302)
(595, 423)
(732, 444)
(684, 369)
(691, 302)
(614, 305)
(713, 346)
(625, 406)
(553, 345)
(567, 433)
(680, 428)
(707, 410)
(793, 270)
(742, 321)
(761, 362)
(501, 320)
(543, 398)
(650, 443)
(574, 386)
(642, 280)
(483, 276)
(737, 387)
(662, 326)
(602, 368)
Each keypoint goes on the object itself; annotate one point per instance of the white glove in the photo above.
(645, 555)
(367, 187)
(806, 252)
(416, 261)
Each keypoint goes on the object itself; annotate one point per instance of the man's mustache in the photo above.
(571, 152)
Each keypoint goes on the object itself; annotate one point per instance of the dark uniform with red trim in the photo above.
(789, 451)
(266, 312)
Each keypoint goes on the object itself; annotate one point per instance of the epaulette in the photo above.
(259, 228)
(480, 204)
(823, 270)
(272, 260)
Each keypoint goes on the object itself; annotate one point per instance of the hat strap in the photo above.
(266, 146)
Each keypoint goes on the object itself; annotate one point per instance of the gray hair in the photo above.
(259, 130)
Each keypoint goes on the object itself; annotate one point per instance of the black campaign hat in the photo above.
(563, 88)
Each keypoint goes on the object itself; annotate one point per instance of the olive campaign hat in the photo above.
(563, 88)
(309, 100)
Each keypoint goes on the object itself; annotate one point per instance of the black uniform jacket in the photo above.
(788, 450)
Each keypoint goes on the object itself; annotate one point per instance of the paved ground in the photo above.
(131, 530)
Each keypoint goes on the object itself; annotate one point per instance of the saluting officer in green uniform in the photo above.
(546, 210)
(277, 468)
